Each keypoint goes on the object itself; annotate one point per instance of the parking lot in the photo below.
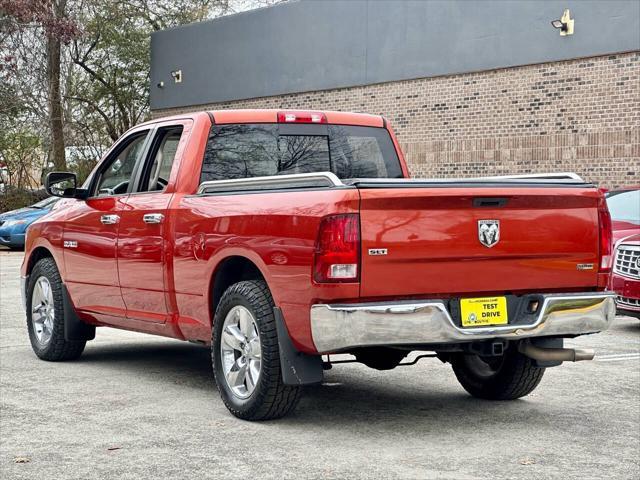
(137, 406)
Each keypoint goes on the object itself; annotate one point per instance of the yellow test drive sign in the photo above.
(478, 312)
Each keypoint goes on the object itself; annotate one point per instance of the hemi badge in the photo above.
(584, 266)
(70, 244)
(377, 251)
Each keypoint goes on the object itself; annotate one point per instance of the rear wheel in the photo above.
(505, 377)
(246, 355)
(45, 315)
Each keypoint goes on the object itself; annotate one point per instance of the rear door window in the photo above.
(157, 170)
(254, 150)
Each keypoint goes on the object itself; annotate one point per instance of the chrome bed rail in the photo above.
(298, 180)
(559, 179)
(330, 180)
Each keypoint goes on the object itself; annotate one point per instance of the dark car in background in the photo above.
(624, 206)
(13, 224)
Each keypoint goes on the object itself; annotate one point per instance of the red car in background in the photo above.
(624, 206)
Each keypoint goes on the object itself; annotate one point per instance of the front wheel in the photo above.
(505, 377)
(246, 355)
(45, 315)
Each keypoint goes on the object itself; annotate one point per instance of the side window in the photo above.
(117, 173)
(160, 161)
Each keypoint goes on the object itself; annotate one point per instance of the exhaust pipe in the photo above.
(556, 354)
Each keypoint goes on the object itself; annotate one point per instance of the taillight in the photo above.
(606, 236)
(337, 250)
(301, 117)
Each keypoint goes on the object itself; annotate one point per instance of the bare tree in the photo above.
(48, 17)
(75, 73)
(55, 98)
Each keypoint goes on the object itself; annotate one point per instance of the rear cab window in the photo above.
(254, 150)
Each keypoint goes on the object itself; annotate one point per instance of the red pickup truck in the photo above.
(277, 237)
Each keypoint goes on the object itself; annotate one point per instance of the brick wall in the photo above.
(578, 115)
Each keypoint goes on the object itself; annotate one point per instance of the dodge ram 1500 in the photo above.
(276, 237)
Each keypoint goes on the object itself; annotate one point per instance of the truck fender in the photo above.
(297, 368)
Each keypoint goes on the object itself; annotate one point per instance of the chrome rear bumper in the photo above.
(341, 327)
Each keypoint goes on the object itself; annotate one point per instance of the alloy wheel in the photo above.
(240, 351)
(43, 312)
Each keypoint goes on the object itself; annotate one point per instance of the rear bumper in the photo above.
(342, 327)
(629, 306)
(628, 293)
(628, 313)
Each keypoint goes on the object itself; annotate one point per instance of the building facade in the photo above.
(471, 88)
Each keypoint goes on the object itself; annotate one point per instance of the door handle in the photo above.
(153, 218)
(109, 219)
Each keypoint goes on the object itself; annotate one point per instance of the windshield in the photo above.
(46, 203)
(625, 206)
(254, 150)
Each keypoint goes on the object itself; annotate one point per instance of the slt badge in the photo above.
(489, 232)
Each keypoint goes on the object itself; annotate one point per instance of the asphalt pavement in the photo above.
(137, 406)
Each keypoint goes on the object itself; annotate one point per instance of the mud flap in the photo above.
(74, 328)
(297, 368)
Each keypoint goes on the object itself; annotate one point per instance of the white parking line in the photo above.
(618, 357)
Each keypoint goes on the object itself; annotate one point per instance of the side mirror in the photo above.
(63, 184)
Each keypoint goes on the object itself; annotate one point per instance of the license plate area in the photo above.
(483, 312)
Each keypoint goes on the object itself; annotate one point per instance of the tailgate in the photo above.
(469, 240)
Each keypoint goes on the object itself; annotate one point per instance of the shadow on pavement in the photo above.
(190, 363)
(362, 403)
(630, 325)
(351, 395)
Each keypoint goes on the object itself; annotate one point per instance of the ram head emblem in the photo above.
(489, 232)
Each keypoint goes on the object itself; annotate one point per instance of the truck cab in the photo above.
(276, 237)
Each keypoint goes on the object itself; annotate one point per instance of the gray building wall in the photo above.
(312, 45)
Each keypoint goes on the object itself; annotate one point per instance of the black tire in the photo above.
(508, 377)
(56, 348)
(271, 398)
